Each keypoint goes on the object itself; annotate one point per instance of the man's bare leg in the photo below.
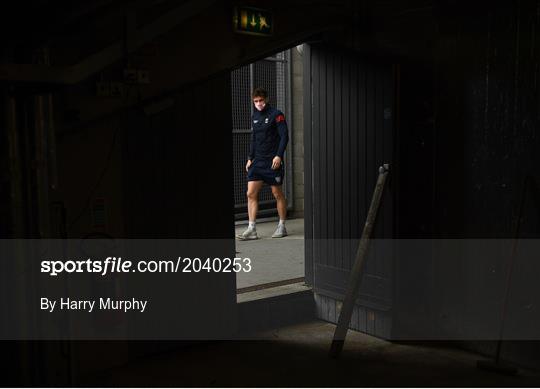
(281, 201)
(281, 231)
(252, 194)
(254, 188)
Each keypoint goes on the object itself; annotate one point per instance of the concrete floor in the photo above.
(297, 356)
(272, 259)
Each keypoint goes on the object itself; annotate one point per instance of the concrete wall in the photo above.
(297, 78)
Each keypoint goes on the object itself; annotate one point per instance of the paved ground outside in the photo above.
(272, 259)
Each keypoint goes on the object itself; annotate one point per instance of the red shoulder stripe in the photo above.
(280, 118)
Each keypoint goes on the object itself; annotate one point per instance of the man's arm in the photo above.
(283, 132)
(251, 154)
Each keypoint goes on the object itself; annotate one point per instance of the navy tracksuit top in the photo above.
(270, 134)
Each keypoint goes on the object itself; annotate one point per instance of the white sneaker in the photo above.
(248, 234)
(280, 232)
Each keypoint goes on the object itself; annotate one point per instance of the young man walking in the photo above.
(265, 161)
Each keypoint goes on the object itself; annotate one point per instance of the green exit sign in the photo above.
(253, 21)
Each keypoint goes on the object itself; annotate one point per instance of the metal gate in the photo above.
(274, 75)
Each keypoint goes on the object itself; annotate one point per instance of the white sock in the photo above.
(251, 225)
(281, 222)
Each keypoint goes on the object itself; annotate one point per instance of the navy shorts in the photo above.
(261, 170)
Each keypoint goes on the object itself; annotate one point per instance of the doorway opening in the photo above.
(274, 261)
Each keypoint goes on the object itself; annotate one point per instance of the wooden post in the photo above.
(357, 270)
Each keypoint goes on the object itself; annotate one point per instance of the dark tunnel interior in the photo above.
(116, 135)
